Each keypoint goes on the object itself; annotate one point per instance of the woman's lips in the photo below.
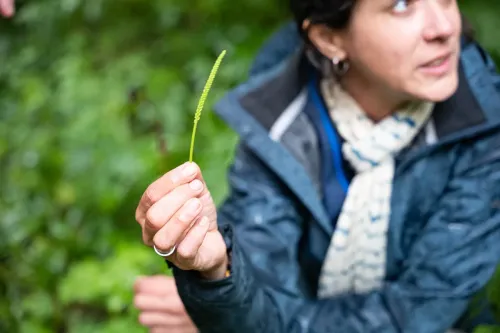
(438, 67)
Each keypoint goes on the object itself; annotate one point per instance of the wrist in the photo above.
(223, 268)
(218, 272)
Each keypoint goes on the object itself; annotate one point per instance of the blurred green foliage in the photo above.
(96, 101)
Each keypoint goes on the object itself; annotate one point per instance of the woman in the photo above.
(364, 192)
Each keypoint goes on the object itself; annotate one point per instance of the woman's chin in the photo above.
(439, 90)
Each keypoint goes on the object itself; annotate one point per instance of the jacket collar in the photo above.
(475, 104)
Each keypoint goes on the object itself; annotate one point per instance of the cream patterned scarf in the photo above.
(356, 258)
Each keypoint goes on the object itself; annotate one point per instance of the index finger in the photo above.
(165, 184)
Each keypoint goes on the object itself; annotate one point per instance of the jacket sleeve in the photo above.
(454, 257)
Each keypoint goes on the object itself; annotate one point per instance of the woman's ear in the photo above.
(326, 40)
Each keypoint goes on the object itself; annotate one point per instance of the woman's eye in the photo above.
(400, 6)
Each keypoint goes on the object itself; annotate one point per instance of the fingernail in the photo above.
(204, 221)
(189, 170)
(196, 185)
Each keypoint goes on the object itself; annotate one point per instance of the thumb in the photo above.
(199, 173)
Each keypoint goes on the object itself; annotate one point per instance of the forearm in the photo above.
(245, 303)
(248, 308)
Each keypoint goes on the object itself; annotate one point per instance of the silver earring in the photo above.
(340, 67)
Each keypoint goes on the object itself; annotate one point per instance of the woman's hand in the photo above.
(160, 306)
(7, 8)
(178, 210)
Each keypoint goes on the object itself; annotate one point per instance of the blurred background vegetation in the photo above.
(96, 101)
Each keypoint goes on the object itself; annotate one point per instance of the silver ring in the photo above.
(163, 254)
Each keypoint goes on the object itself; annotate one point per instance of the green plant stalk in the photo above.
(201, 102)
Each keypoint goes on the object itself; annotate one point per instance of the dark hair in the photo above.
(335, 14)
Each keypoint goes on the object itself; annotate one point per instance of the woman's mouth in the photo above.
(439, 66)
